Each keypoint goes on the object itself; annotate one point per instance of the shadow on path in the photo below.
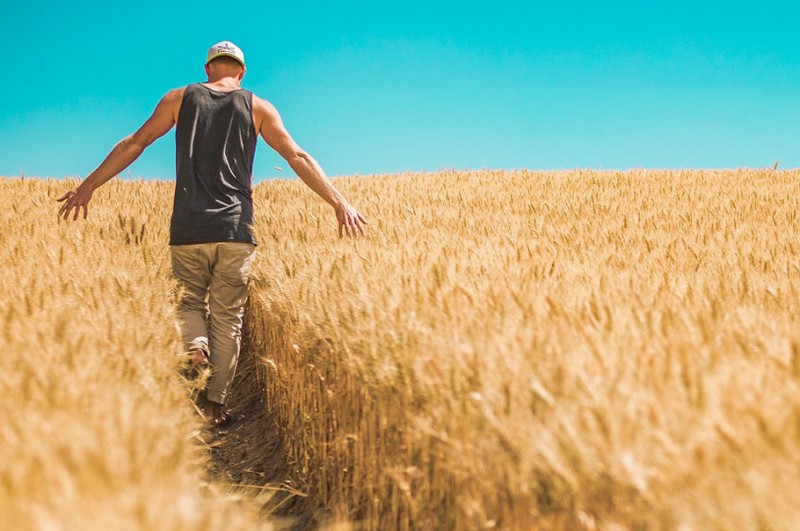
(248, 455)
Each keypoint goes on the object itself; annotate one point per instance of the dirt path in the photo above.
(248, 453)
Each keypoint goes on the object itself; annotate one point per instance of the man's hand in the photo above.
(350, 221)
(77, 198)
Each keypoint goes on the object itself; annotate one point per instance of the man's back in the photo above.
(215, 143)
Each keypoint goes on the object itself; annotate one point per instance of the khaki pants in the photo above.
(214, 280)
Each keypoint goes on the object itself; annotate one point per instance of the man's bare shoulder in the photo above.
(260, 105)
(174, 96)
(265, 115)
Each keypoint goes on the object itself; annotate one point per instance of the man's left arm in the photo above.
(271, 128)
(122, 155)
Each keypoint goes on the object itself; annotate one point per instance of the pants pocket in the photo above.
(234, 262)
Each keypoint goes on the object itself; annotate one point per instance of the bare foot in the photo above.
(213, 412)
(198, 358)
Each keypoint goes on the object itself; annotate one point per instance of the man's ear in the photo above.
(241, 75)
(208, 71)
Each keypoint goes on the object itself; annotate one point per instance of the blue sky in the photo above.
(373, 87)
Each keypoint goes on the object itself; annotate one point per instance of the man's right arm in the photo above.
(123, 154)
(271, 128)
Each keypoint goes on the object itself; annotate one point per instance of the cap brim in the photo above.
(225, 54)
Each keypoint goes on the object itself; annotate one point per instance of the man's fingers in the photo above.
(71, 204)
(361, 222)
(356, 226)
(65, 206)
(351, 223)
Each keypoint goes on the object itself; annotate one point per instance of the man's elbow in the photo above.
(131, 143)
(297, 156)
(140, 142)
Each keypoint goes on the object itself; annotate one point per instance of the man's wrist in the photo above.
(88, 184)
(338, 204)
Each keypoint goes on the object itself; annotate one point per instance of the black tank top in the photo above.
(215, 142)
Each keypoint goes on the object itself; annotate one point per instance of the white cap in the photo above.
(225, 48)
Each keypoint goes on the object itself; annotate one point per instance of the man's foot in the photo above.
(198, 359)
(215, 414)
(198, 364)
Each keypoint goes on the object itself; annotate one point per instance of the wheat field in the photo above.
(505, 349)
(97, 428)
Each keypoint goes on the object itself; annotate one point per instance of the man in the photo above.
(211, 241)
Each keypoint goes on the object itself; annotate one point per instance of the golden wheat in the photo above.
(505, 349)
(97, 428)
(527, 349)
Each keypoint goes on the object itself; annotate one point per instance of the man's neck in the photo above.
(224, 84)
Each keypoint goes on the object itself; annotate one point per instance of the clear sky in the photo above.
(373, 87)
